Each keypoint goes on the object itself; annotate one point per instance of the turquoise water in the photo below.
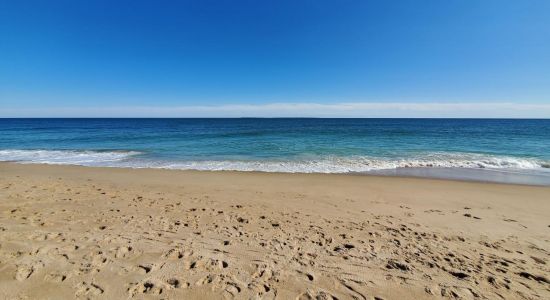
(283, 145)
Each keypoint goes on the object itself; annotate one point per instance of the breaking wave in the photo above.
(66, 157)
(320, 164)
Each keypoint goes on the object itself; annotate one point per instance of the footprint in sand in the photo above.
(55, 277)
(176, 253)
(263, 272)
(470, 216)
(123, 252)
(88, 289)
(232, 289)
(23, 272)
(145, 268)
(206, 264)
(177, 283)
(538, 260)
(147, 287)
(321, 295)
(309, 276)
(205, 280)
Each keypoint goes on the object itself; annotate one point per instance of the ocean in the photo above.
(502, 150)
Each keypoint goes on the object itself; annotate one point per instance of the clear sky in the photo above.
(275, 58)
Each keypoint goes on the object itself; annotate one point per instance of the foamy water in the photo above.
(330, 164)
(83, 158)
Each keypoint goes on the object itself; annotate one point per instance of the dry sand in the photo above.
(76, 232)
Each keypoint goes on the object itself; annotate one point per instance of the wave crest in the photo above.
(363, 164)
(320, 164)
(65, 157)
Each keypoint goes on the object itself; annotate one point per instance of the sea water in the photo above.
(506, 150)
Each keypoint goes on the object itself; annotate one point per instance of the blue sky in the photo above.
(275, 58)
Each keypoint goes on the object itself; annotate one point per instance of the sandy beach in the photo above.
(78, 232)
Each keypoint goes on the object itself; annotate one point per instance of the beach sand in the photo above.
(78, 232)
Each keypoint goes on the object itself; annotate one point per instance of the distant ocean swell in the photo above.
(318, 164)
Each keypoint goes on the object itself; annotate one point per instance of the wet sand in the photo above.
(78, 232)
(540, 177)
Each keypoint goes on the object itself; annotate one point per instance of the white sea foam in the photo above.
(322, 164)
(66, 157)
(364, 164)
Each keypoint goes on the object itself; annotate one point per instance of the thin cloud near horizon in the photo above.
(298, 109)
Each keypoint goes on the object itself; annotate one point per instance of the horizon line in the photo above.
(461, 110)
(373, 118)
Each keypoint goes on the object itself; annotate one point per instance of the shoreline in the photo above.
(91, 232)
(428, 173)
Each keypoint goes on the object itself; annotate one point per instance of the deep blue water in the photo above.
(287, 145)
